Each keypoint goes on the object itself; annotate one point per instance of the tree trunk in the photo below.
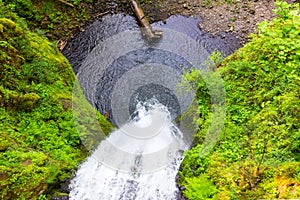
(147, 29)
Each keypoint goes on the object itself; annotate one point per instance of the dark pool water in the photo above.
(88, 45)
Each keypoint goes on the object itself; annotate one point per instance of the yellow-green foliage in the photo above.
(258, 154)
(200, 188)
(39, 142)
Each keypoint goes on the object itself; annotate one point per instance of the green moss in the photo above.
(39, 141)
(200, 188)
(7, 23)
(53, 18)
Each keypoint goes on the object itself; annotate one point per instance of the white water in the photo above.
(139, 161)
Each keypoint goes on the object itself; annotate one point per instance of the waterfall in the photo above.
(138, 161)
(119, 72)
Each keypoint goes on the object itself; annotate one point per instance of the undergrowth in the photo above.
(57, 19)
(258, 152)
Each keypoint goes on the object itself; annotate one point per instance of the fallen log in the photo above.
(147, 29)
(66, 3)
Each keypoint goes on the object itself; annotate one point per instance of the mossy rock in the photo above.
(39, 142)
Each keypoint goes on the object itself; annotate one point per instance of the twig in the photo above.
(101, 14)
(61, 44)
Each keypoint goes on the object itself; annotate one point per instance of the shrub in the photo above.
(260, 141)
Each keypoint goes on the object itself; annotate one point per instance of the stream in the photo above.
(136, 85)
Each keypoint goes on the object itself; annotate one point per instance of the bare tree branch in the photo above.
(147, 29)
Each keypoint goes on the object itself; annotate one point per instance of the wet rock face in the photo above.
(63, 190)
(240, 18)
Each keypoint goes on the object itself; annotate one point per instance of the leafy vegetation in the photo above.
(39, 143)
(54, 18)
(258, 153)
